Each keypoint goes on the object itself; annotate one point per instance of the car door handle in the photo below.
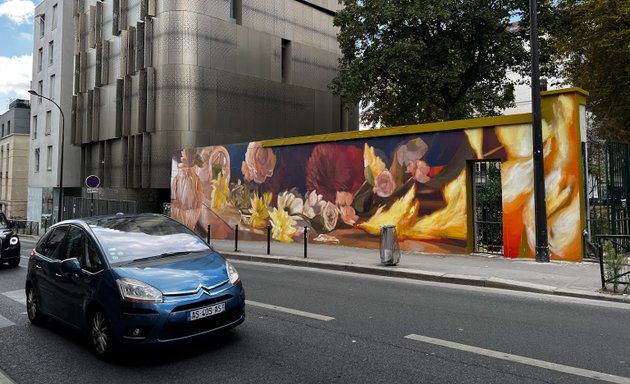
(58, 274)
(38, 266)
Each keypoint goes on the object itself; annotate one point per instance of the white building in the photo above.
(53, 63)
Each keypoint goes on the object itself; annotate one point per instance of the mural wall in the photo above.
(344, 190)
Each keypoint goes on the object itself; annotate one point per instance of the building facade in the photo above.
(14, 144)
(52, 77)
(154, 76)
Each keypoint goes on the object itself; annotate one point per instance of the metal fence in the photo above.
(76, 207)
(25, 227)
(609, 189)
(614, 261)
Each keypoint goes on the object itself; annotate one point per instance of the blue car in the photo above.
(132, 280)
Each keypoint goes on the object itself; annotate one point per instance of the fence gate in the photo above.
(487, 207)
(609, 189)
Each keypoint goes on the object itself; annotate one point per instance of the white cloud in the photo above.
(19, 11)
(15, 77)
(26, 36)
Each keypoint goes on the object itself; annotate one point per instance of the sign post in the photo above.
(92, 183)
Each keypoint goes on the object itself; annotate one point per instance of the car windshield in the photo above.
(126, 239)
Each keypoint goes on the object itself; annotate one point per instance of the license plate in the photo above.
(206, 311)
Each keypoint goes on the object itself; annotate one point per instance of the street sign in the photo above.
(92, 181)
(92, 190)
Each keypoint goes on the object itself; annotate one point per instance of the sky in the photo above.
(16, 49)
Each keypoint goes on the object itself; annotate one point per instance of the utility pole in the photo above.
(540, 201)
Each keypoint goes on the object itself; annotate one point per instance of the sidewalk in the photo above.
(556, 278)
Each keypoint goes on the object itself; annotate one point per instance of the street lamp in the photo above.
(61, 132)
(540, 202)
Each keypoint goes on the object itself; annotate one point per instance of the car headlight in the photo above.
(134, 290)
(14, 240)
(232, 274)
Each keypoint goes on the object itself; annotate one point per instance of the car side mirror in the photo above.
(11, 224)
(70, 265)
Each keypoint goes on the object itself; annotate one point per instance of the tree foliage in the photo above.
(594, 41)
(412, 61)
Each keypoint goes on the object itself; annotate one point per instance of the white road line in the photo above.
(4, 379)
(522, 360)
(4, 322)
(289, 310)
(17, 295)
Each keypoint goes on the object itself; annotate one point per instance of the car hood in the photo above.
(179, 274)
(4, 233)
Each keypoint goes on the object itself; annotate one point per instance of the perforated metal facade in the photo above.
(153, 76)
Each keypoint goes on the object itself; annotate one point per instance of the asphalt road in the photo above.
(352, 328)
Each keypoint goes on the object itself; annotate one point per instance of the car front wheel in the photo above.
(32, 307)
(103, 343)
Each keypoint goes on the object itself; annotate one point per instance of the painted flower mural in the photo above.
(345, 191)
(259, 163)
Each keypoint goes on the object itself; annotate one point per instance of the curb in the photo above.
(406, 273)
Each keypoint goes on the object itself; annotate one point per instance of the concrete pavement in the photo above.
(555, 278)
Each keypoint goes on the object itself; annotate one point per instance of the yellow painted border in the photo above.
(524, 118)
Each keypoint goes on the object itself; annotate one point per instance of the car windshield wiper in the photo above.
(156, 257)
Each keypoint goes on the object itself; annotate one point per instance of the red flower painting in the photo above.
(333, 167)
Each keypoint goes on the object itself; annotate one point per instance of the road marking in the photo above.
(522, 360)
(4, 379)
(18, 295)
(289, 310)
(4, 322)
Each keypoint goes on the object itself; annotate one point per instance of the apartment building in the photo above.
(152, 77)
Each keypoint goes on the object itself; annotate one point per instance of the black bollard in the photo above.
(236, 239)
(305, 240)
(208, 241)
(268, 239)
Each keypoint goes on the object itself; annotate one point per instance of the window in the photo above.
(40, 89)
(40, 59)
(54, 17)
(53, 246)
(34, 130)
(8, 127)
(285, 66)
(51, 87)
(36, 160)
(49, 159)
(42, 25)
(2, 132)
(51, 52)
(236, 10)
(81, 248)
(48, 122)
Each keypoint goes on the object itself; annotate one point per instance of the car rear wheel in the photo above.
(103, 343)
(14, 263)
(32, 307)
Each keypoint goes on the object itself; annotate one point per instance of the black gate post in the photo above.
(600, 250)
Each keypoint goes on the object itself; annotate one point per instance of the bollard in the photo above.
(208, 241)
(268, 239)
(305, 240)
(236, 238)
(45, 225)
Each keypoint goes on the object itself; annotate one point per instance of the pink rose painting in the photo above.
(259, 163)
(384, 184)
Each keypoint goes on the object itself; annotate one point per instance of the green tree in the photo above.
(594, 41)
(412, 61)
